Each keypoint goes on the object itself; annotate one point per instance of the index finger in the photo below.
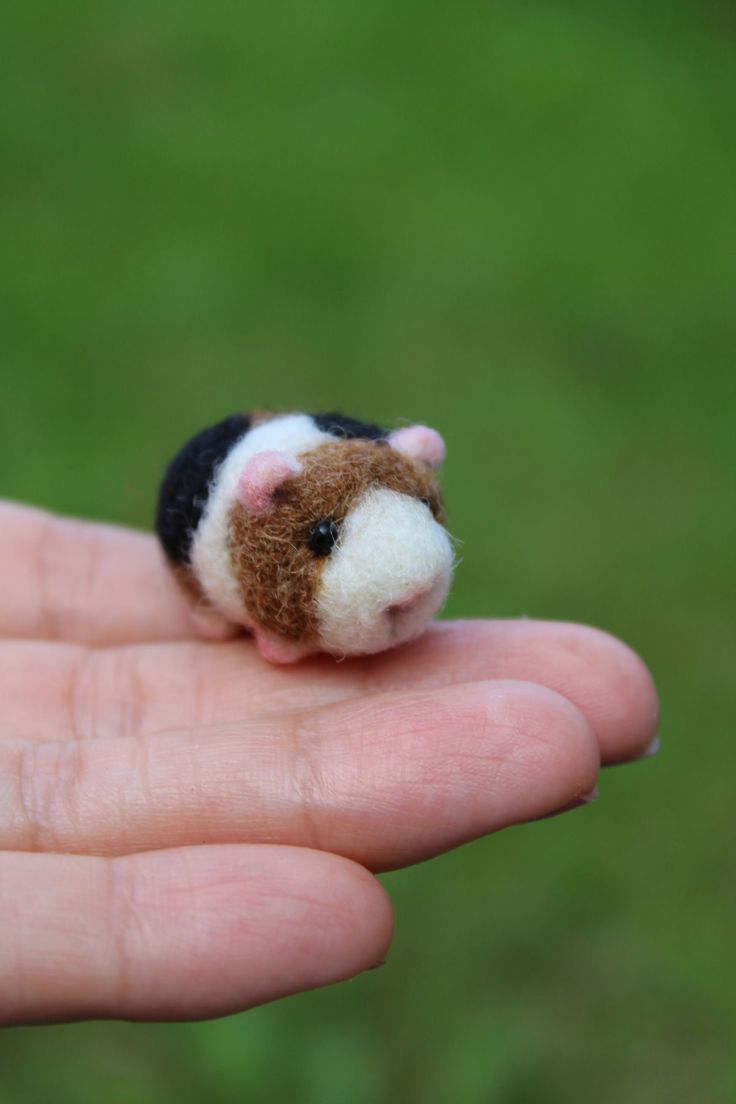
(64, 579)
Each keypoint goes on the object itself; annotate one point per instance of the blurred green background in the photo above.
(516, 223)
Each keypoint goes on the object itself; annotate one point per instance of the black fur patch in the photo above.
(348, 428)
(185, 489)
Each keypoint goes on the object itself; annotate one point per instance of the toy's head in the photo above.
(342, 548)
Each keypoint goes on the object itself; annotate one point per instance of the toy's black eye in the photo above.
(323, 537)
(430, 505)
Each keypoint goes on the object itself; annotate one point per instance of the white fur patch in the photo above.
(210, 557)
(390, 547)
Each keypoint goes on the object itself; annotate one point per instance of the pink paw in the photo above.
(211, 625)
(278, 650)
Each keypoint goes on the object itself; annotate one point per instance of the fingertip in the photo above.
(596, 671)
(453, 764)
(369, 915)
(559, 753)
(264, 922)
(344, 908)
(628, 703)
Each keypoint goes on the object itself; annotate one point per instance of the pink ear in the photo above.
(420, 442)
(263, 473)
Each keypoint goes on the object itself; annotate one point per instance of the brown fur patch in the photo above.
(189, 583)
(278, 573)
(258, 417)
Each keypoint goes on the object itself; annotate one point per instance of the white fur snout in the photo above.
(386, 577)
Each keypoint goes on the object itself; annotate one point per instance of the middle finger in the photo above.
(63, 691)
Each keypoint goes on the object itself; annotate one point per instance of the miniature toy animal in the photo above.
(316, 532)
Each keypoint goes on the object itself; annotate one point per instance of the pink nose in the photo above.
(409, 602)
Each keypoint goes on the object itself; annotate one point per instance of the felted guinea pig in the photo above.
(316, 532)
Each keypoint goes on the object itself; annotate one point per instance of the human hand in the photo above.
(186, 831)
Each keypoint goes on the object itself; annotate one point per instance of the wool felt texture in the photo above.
(213, 551)
(388, 576)
(279, 575)
(185, 488)
(186, 484)
(315, 532)
(348, 428)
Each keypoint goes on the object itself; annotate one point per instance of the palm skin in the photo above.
(186, 831)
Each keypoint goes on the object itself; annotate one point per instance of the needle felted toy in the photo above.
(316, 532)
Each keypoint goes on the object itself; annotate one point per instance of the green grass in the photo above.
(517, 223)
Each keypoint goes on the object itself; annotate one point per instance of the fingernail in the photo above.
(377, 965)
(649, 752)
(652, 749)
(583, 799)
